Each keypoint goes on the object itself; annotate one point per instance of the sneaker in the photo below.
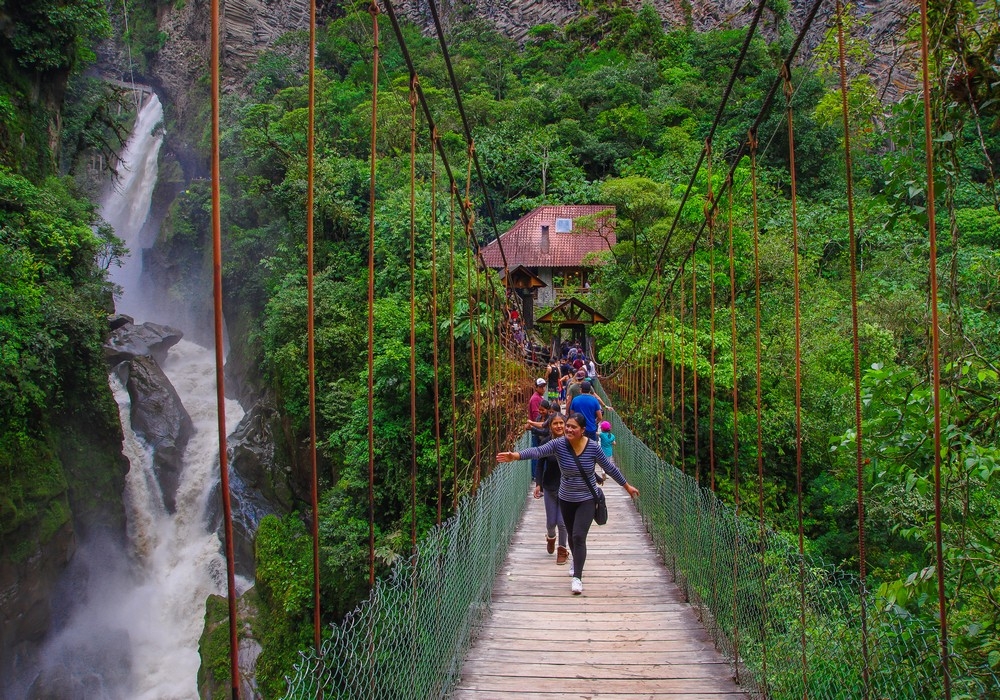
(562, 555)
(576, 586)
(550, 544)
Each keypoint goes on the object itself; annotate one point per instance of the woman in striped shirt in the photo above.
(575, 498)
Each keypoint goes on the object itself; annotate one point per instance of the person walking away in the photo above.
(575, 498)
(553, 378)
(574, 390)
(588, 405)
(547, 488)
(591, 369)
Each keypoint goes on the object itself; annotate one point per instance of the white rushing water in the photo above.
(134, 630)
(127, 201)
(178, 561)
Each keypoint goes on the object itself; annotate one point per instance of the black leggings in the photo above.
(578, 517)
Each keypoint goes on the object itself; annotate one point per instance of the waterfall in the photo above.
(126, 203)
(137, 616)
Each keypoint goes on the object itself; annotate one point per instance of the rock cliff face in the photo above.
(250, 26)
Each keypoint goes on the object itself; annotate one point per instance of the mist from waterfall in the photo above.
(133, 628)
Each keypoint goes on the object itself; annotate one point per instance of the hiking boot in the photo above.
(576, 585)
(550, 544)
(562, 556)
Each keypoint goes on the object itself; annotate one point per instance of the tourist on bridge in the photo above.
(573, 389)
(553, 376)
(533, 410)
(548, 488)
(590, 407)
(578, 456)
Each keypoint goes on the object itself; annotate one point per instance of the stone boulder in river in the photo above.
(128, 340)
(159, 418)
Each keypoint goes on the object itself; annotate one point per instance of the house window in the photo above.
(564, 225)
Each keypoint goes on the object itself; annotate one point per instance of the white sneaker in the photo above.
(576, 586)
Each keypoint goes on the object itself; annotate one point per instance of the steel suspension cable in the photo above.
(413, 313)
(673, 375)
(736, 433)
(220, 382)
(434, 321)
(451, 346)
(473, 334)
(935, 348)
(311, 318)
(856, 346)
(796, 296)
(761, 534)
(694, 367)
(683, 387)
(711, 331)
(660, 367)
(374, 10)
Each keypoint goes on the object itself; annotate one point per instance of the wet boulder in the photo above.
(128, 340)
(159, 418)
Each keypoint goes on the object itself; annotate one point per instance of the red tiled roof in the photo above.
(522, 244)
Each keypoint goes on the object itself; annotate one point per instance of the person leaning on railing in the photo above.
(576, 501)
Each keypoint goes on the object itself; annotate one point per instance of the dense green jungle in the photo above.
(612, 108)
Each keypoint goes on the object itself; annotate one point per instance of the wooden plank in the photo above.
(629, 636)
(464, 694)
(511, 685)
(602, 671)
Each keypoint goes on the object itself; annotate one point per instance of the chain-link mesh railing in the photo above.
(409, 639)
(748, 585)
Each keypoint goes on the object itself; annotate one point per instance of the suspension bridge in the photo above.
(690, 597)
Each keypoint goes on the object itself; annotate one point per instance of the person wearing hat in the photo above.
(533, 413)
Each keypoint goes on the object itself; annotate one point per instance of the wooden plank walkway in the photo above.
(628, 637)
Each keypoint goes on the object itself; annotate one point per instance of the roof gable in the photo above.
(525, 243)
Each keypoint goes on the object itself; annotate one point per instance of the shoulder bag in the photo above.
(600, 504)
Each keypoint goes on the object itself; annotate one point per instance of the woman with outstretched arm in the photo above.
(575, 498)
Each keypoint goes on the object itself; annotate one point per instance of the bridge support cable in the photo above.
(374, 10)
(710, 214)
(683, 352)
(453, 194)
(220, 383)
(796, 300)
(434, 322)
(413, 311)
(711, 368)
(736, 435)
(311, 316)
(761, 528)
(694, 366)
(856, 346)
(935, 349)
